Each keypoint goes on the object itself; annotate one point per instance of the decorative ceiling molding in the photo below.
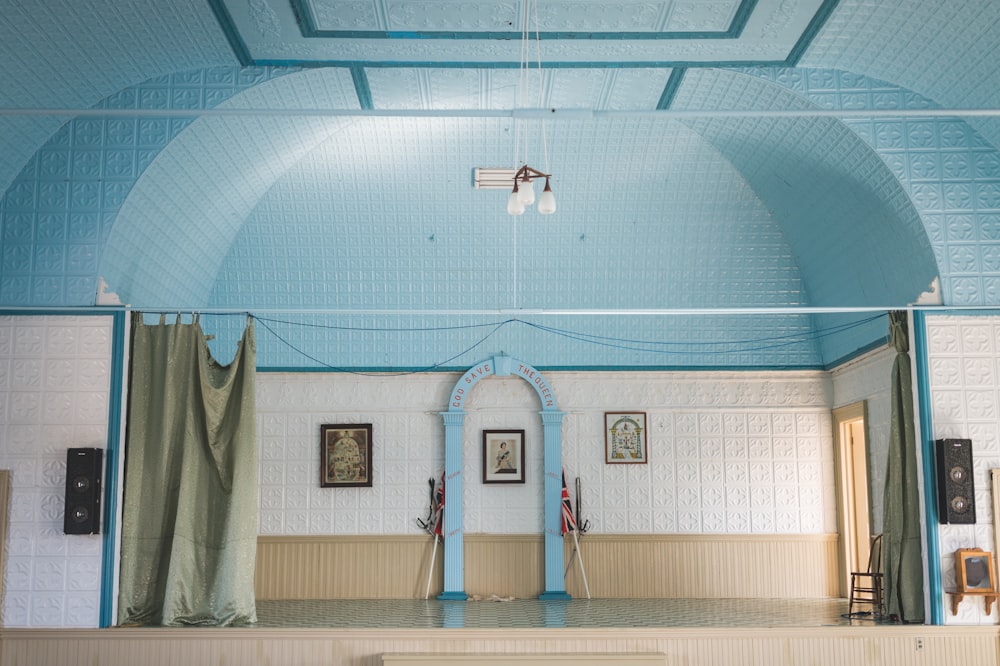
(455, 33)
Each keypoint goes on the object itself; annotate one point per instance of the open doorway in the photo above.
(853, 507)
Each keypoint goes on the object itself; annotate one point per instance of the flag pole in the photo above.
(430, 571)
(569, 565)
(583, 572)
(569, 524)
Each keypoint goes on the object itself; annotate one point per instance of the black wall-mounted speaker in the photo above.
(83, 491)
(956, 489)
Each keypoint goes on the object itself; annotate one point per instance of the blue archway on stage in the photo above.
(454, 418)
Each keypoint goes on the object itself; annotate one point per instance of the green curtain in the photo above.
(189, 531)
(901, 545)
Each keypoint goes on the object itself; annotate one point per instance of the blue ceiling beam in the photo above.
(231, 32)
(309, 29)
(362, 87)
(809, 34)
(670, 89)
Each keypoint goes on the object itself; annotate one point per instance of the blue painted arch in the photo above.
(454, 419)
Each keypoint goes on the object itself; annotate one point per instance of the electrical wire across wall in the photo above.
(705, 347)
(660, 347)
(321, 363)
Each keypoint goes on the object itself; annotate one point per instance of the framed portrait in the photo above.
(625, 438)
(503, 456)
(974, 570)
(345, 455)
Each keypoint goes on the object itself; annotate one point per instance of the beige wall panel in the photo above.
(707, 566)
(825, 646)
(504, 565)
(617, 566)
(352, 567)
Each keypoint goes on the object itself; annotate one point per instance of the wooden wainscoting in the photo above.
(617, 566)
(345, 567)
(707, 566)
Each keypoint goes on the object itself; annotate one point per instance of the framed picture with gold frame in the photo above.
(345, 455)
(625, 438)
(974, 570)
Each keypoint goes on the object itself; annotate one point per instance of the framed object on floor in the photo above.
(625, 438)
(503, 456)
(345, 455)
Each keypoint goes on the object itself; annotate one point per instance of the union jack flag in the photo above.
(439, 509)
(568, 519)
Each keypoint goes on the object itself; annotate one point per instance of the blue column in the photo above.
(926, 438)
(111, 480)
(555, 580)
(454, 563)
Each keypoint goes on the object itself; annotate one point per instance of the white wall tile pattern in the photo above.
(965, 404)
(730, 453)
(54, 392)
(867, 379)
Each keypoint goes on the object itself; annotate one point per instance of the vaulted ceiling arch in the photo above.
(856, 236)
(185, 209)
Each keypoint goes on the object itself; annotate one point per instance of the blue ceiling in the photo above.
(739, 183)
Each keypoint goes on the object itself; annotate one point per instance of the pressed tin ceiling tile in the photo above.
(765, 196)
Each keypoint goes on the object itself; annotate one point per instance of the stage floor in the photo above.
(535, 613)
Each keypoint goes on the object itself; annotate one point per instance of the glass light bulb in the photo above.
(526, 192)
(514, 205)
(547, 202)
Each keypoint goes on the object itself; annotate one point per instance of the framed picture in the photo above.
(974, 570)
(503, 456)
(345, 455)
(625, 438)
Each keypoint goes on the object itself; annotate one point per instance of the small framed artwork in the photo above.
(503, 456)
(625, 438)
(345, 455)
(974, 570)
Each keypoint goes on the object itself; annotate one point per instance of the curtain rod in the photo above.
(552, 113)
(506, 312)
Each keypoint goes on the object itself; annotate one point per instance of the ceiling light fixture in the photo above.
(523, 193)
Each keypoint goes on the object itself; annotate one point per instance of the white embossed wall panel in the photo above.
(54, 392)
(730, 453)
(868, 379)
(962, 373)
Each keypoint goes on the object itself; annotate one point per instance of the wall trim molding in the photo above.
(531, 538)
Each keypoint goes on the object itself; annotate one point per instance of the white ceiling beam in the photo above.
(540, 114)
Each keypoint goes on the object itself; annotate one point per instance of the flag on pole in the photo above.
(568, 519)
(439, 509)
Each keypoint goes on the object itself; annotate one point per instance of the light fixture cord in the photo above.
(541, 97)
(516, 262)
(524, 78)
